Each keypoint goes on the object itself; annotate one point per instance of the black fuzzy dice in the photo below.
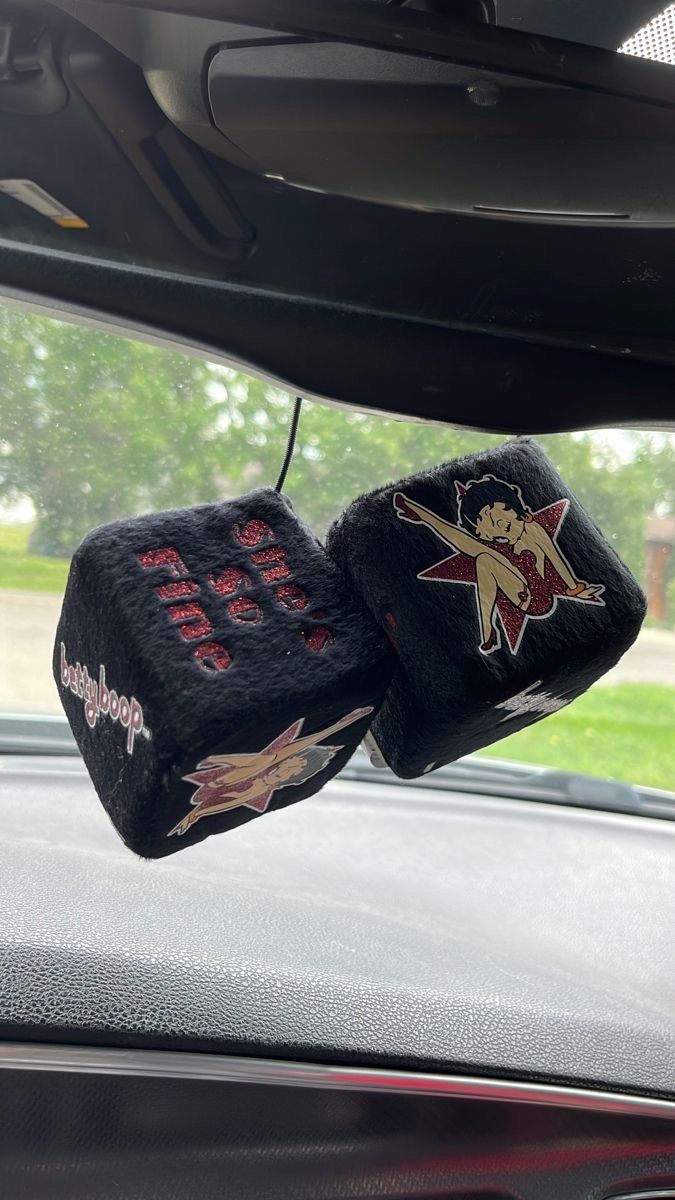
(214, 664)
(501, 596)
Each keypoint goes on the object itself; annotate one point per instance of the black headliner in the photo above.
(486, 323)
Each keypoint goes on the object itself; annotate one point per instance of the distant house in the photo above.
(660, 538)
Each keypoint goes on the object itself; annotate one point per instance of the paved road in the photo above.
(28, 621)
(27, 626)
(650, 660)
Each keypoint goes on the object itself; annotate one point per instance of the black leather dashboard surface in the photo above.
(371, 924)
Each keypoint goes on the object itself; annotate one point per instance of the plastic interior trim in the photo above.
(169, 1064)
(625, 389)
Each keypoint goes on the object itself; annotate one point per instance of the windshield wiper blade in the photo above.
(525, 781)
(25, 733)
(609, 795)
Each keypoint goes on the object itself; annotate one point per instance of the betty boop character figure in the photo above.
(226, 781)
(516, 560)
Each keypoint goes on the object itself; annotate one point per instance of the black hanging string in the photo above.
(290, 444)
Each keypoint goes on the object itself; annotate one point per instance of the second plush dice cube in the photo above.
(502, 597)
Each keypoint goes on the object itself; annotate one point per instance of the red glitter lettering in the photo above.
(191, 620)
(230, 581)
(270, 574)
(167, 557)
(318, 638)
(213, 657)
(245, 611)
(291, 596)
(174, 591)
(276, 557)
(185, 612)
(253, 533)
(200, 629)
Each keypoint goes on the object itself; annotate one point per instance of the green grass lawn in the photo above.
(24, 571)
(625, 732)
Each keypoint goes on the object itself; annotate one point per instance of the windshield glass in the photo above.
(94, 427)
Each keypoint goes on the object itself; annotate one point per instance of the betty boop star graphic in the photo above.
(227, 781)
(508, 553)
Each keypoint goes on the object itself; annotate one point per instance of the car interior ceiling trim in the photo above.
(405, 31)
(222, 1068)
(116, 292)
(151, 335)
(51, 305)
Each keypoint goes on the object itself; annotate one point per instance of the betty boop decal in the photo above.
(507, 553)
(226, 781)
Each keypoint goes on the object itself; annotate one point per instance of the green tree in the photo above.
(95, 426)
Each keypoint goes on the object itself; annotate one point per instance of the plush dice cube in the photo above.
(502, 597)
(214, 664)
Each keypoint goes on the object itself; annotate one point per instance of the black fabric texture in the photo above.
(460, 686)
(301, 647)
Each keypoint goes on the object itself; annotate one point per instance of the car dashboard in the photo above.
(386, 991)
